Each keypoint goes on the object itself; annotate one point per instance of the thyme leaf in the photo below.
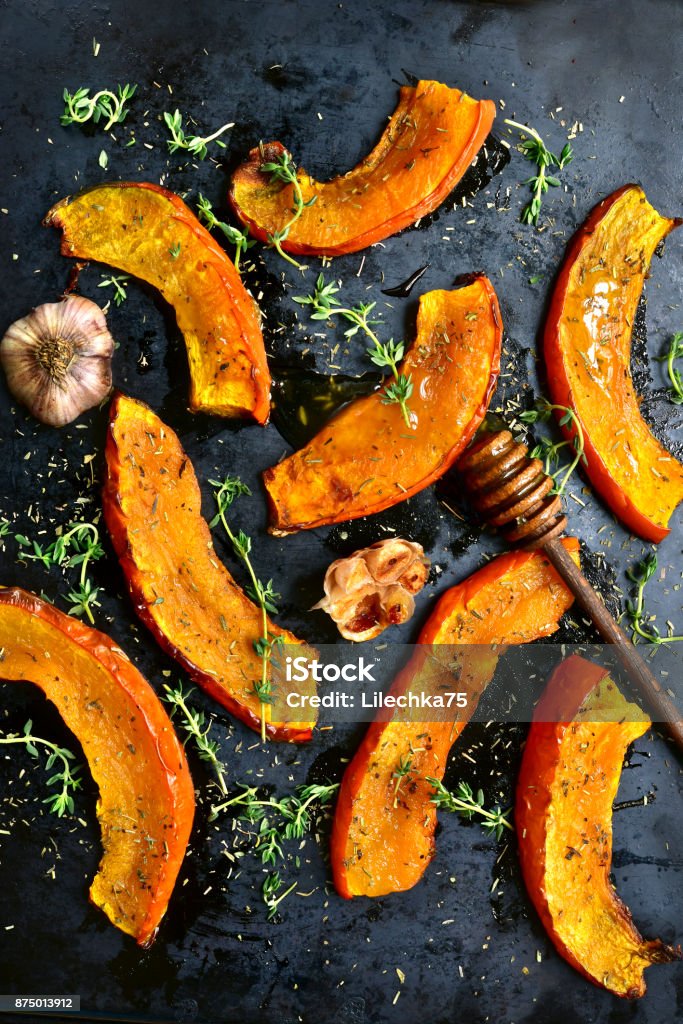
(240, 239)
(67, 777)
(642, 628)
(401, 772)
(118, 282)
(279, 820)
(197, 728)
(467, 804)
(534, 149)
(674, 352)
(78, 546)
(226, 492)
(325, 305)
(283, 169)
(80, 107)
(550, 451)
(196, 145)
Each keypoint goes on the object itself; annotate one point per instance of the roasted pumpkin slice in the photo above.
(588, 352)
(567, 784)
(366, 459)
(149, 232)
(383, 831)
(189, 600)
(146, 800)
(430, 141)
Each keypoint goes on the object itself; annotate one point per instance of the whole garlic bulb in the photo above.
(374, 587)
(57, 360)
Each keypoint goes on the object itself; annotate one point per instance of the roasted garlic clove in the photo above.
(372, 589)
(387, 560)
(365, 617)
(57, 360)
(347, 575)
(415, 576)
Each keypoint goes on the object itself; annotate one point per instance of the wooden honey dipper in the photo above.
(512, 493)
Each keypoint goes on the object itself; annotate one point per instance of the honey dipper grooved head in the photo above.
(511, 492)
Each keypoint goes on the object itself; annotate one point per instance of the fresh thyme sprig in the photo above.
(240, 239)
(80, 545)
(81, 107)
(641, 627)
(403, 770)
(389, 354)
(270, 889)
(226, 492)
(535, 150)
(67, 777)
(283, 169)
(197, 728)
(118, 283)
(548, 450)
(279, 820)
(465, 803)
(194, 144)
(674, 352)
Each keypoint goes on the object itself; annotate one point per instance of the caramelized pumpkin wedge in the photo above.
(366, 459)
(567, 784)
(180, 590)
(149, 232)
(383, 833)
(146, 800)
(588, 353)
(430, 141)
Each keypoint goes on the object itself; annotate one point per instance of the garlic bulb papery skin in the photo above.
(373, 588)
(57, 360)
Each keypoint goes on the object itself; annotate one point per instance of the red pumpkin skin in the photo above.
(537, 787)
(418, 200)
(117, 523)
(412, 826)
(561, 389)
(165, 770)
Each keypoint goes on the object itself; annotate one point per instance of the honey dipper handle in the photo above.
(660, 703)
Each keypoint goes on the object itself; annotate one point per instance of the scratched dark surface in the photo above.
(322, 77)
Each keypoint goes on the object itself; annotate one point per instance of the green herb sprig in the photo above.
(283, 169)
(61, 802)
(279, 820)
(674, 352)
(81, 107)
(263, 594)
(197, 728)
(534, 149)
(118, 282)
(240, 239)
(641, 628)
(468, 805)
(384, 354)
(196, 145)
(549, 450)
(79, 546)
(400, 774)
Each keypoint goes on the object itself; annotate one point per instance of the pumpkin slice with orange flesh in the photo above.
(567, 784)
(146, 800)
(366, 459)
(430, 141)
(180, 590)
(588, 354)
(383, 831)
(149, 232)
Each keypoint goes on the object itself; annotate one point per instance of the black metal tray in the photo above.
(321, 78)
